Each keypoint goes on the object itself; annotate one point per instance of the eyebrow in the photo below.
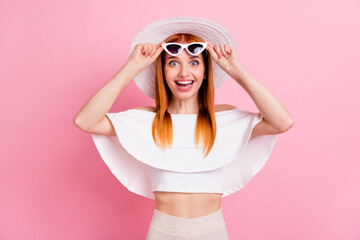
(178, 58)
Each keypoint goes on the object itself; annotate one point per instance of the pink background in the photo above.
(55, 54)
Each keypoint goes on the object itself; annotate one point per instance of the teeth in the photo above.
(184, 82)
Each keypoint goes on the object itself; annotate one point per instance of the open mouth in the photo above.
(184, 83)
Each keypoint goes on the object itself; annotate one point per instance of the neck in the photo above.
(184, 106)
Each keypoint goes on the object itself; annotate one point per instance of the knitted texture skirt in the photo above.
(209, 227)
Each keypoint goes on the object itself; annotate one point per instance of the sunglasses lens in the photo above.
(195, 48)
(173, 48)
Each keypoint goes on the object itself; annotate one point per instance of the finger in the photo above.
(158, 51)
(155, 49)
(147, 49)
(217, 50)
(227, 49)
(144, 49)
(210, 48)
(223, 52)
(141, 48)
(152, 49)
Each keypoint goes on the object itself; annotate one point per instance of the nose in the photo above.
(184, 71)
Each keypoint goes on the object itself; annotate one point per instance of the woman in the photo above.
(156, 152)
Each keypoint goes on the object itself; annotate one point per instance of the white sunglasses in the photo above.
(175, 49)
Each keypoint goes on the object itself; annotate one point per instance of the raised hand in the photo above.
(145, 53)
(225, 56)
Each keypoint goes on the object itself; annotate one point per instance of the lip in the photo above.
(182, 88)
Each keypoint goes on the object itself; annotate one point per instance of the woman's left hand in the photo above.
(225, 56)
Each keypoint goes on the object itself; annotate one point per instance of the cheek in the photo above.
(168, 71)
(200, 72)
(165, 73)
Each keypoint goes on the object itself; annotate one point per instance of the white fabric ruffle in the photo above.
(129, 154)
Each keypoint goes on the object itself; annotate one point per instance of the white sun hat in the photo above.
(159, 30)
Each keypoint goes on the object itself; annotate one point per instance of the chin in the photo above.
(181, 95)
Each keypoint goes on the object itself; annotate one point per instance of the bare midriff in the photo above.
(187, 205)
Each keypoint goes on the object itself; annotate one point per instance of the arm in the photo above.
(94, 110)
(276, 116)
(92, 116)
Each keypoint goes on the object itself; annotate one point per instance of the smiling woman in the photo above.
(184, 153)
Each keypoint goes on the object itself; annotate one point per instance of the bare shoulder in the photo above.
(223, 107)
(146, 108)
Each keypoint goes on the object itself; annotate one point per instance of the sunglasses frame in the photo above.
(164, 45)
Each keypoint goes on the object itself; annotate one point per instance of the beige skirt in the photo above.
(209, 227)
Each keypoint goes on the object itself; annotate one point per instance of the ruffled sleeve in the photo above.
(251, 158)
(130, 154)
(132, 173)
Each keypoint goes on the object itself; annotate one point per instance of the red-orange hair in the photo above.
(162, 130)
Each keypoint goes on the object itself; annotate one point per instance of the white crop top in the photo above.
(194, 182)
(139, 164)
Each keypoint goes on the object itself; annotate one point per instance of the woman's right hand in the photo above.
(145, 53)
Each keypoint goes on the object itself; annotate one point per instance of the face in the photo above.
(184, 68)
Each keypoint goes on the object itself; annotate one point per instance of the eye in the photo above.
(197, 63)
(194, 61)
